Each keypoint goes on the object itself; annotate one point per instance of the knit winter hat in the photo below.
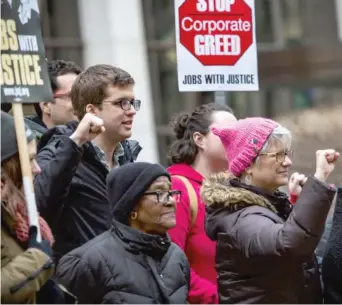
(9, 145)
(127, 184)
(244, 140)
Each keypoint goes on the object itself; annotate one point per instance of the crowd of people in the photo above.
(211, 228)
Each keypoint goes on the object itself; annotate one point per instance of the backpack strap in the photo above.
(192, 197)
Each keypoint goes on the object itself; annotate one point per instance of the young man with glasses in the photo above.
(76, 158)
(62, 75)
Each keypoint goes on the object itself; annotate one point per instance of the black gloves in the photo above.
(44, 245)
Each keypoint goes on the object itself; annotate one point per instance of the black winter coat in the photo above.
(126, 266)
(265, 249)
(71, 189)
(36, 125)
(332, 260)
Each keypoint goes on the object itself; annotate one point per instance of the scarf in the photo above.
(21, 226)
(136, 241)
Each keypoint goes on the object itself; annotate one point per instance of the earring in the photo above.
(248, 179)
(134, 215)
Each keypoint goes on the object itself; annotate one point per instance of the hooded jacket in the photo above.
(265, 249)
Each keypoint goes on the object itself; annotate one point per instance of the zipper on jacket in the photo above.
(32, 276)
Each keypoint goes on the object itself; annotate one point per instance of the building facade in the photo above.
(299, 45)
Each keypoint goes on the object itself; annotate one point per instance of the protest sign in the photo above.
(23, 75)
(216, 45)
(23, 79)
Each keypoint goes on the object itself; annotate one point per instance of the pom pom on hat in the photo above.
(244, 140)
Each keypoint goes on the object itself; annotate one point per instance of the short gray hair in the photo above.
(280, 134)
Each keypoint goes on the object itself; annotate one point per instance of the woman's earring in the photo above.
(134, 215)
(248, 179)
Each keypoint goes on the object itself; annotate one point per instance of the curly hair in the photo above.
(184, 149)
(57, 68)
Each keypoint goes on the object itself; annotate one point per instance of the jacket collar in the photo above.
(223, 190)
(36, 125)
(138, 242)
(186, 171)
(6, 216)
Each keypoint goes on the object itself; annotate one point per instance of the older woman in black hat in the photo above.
(135, 261)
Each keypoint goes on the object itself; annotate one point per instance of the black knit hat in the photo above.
(9, 146)
(127, 184)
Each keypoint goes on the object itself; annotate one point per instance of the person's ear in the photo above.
(198, 139)
(90, 108)
(46, 107)
(251, 169)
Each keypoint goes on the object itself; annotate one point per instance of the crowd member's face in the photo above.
(13, 170)
(117, 121)
(271, 170)
(211, 147)
(155, 214)
(32, 149)
(61, 112)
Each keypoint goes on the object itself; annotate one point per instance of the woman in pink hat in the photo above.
(265, 245)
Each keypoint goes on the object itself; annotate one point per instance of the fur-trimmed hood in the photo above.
(225, 190)
(224, 194)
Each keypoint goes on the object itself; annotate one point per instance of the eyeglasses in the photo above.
(63, 96)
(126, 104)
(280, 156)
(165, 196)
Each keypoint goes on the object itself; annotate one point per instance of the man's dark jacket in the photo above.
(71, 188)
(36, 125)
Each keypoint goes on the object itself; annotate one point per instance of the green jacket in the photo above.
(23, 271)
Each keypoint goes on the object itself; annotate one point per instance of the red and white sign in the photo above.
(216, 45)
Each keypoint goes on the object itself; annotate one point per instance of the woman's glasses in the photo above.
(280, 156)
(165, 196)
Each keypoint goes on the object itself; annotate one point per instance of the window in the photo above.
(61, 30)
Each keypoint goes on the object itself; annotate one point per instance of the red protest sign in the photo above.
(216, 32)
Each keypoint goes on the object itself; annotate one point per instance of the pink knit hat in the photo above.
(243, 141)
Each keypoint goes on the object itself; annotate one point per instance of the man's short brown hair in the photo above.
(90, 87)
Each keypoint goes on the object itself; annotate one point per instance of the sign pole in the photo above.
(18, 115)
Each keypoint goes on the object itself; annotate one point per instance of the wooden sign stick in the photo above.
(18, 115)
